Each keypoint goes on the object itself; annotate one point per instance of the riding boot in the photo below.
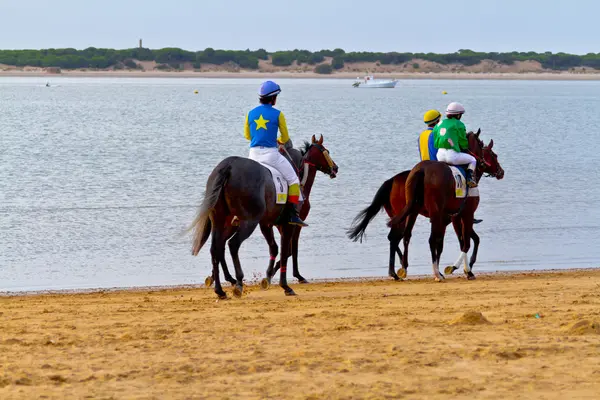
(295, 217)
(471, 182)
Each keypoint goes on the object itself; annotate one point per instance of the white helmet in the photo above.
(455, 109)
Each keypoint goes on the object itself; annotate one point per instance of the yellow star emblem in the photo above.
(261, 123)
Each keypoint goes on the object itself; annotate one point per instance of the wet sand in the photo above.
(537, 336)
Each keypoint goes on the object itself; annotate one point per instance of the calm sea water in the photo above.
(99, 176)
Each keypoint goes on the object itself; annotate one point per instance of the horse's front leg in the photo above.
(227, 234)
(410, 223)
(394, 237)
(295, 241)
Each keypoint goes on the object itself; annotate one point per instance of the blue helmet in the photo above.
(268, 89)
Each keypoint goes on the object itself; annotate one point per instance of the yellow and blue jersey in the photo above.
(262, 124)
(427, 149)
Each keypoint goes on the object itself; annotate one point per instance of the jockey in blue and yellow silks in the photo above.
(426, 149)
(261, 128)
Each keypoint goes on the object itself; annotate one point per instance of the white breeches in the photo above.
(272, 157)
(455, 158)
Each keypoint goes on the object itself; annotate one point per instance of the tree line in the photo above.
(249, 59)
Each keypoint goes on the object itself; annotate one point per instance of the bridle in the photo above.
(482, 164)
(325, 153)
(305, 165)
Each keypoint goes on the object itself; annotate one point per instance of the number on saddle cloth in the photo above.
(280, 184)
(458, 171)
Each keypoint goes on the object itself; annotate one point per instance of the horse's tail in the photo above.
(202, 225)
(415, 184)
(359, 224)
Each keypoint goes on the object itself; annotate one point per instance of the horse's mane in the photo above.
(304, 148)
(479, 141)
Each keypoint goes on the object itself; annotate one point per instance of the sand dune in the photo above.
(487, 69)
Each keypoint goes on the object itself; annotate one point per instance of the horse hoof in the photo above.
(470, 276)
(440, 278)
(208, 281)
(290, 292)
(402, 273)
(449, 270)
(222, 296)
(304, 281)
(238, 290)
(395, 277)
(265, 284)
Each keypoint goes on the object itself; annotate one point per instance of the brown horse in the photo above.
(242, 188)
(392, 197)
(307, 174)
(431, 186)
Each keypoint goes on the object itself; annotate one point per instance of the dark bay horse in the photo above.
(307, 173)
(242, 188)
(392, 197)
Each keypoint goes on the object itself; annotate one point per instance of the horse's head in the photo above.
(491, 159)
(316, 154)
(487, 160)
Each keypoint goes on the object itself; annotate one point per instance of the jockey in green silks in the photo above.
(451, 140)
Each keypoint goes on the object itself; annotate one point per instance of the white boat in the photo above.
(370, 82)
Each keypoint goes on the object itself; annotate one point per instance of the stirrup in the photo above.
(295, 220)
(472, 184)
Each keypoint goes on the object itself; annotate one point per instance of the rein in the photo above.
(481, 162)
(305, 165)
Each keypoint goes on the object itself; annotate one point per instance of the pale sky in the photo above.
(375, 25)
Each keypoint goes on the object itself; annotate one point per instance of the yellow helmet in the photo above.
(431, 117)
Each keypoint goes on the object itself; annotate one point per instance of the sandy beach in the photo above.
(304, 75)
(523, 335)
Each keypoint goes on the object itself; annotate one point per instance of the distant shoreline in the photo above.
(549, 76)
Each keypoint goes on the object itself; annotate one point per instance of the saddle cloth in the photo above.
(281, 186)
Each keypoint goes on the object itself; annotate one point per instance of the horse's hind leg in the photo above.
(394, 237)
(436, 244)
(286, 237)
(217, 252)
(457, 225)
(230, 232)
(244, 231)
(209, 280)
(295, 241)
(267, 231)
